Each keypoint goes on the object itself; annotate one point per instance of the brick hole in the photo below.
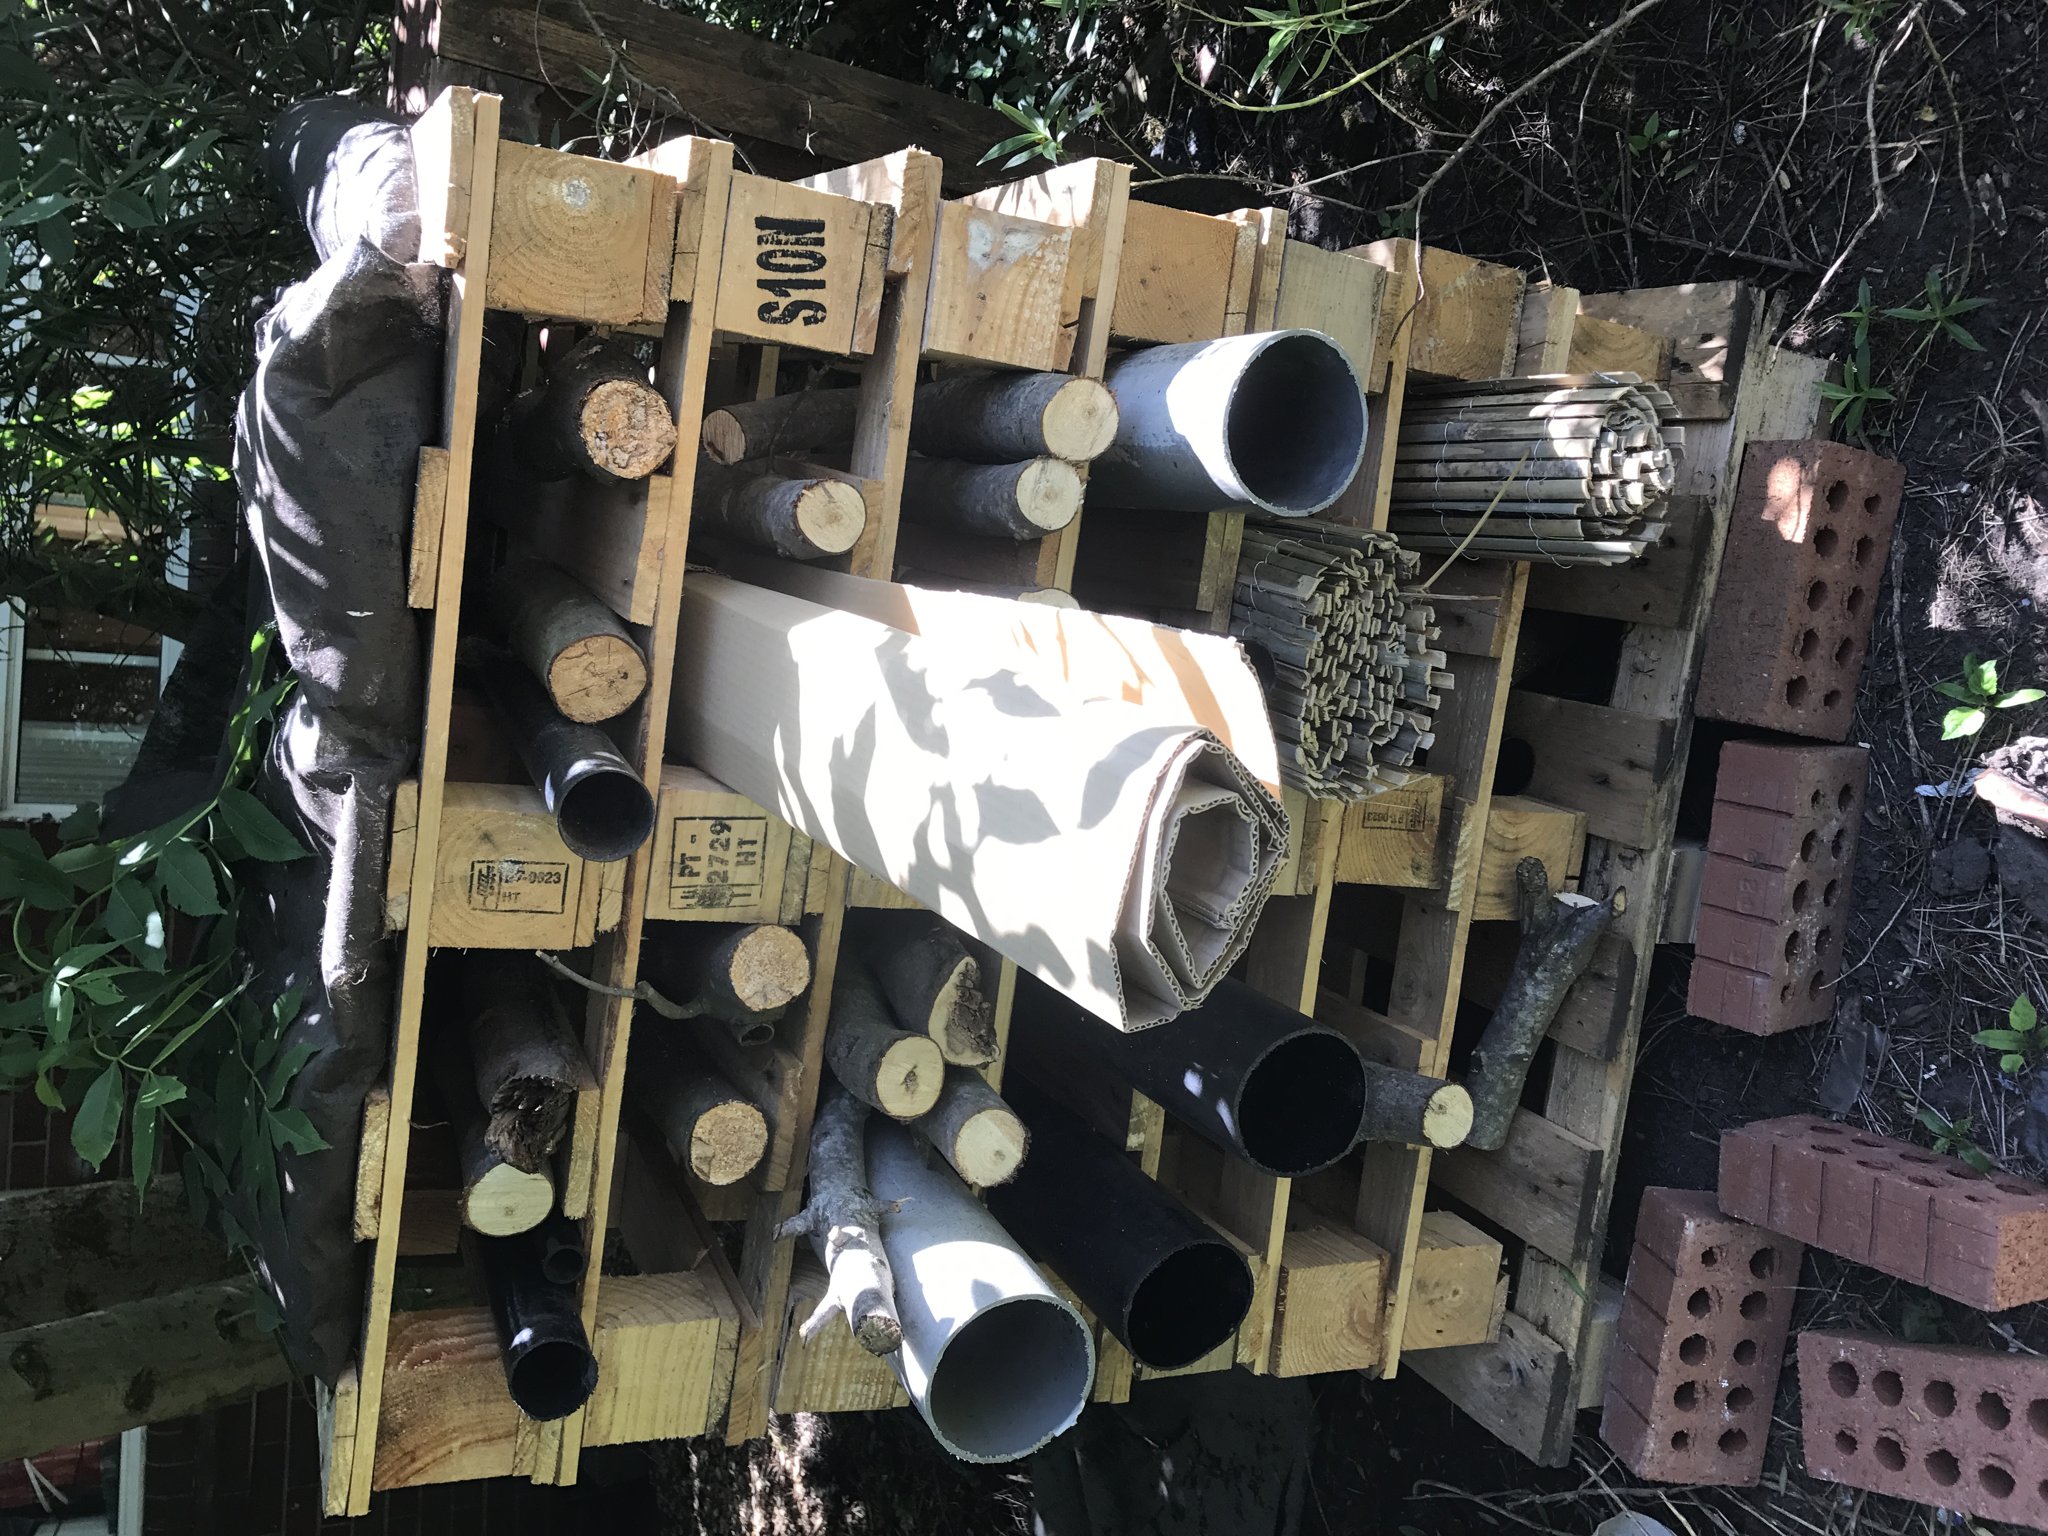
(1864, 1162)
(1764, 1263)
(1687, 1396)
(1845, 1442)
(1886, 1387)
(1844, 649)
(1995, 1481)
(1918, 1157)
(1739, 1399)
(1829, 892)
(1755, 1305)
(1710, 1258)
(1940, 1398)
(1923, 1182)
(1700, 1302)
(1799, 896)
(1976, 1200)
(1964, 1172)
(1692, 1349)
(1733, 1442)
(1796, 690)
(1861, 554)
(1845, 797)
(1867, 1141)
(1992, 1411)
(1785, 993)
(1814, 803)
(1890, 1454)
(1943, 1468)
(2015, 1189)
(1829, 1151)
(1745, 1352)
(1816, 594)
(1838, 842)
(1795, 943)
(1681, 1440)
(1809, 845)
(1815, 983)
(1871, 505)
(1831, 698)
(1809, 642)
(1838, 496)
(2037, 1417)
(1820, 945)
(1823, 1128)
(1825, 541)
(1854, 602)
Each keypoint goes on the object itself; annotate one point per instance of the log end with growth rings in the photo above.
(909, 1076)
(1049, 492)
(506, 1202)
(1447, 1117)
(626, 428)
(770, 968)
(728, 1142)
(990, 1147)
(596, 678)
(1079, 421)
(832, 515)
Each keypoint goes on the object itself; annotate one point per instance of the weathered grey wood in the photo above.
(884, 1067)
(1409, 1108)
(978, 1135)
(934, 985)
(498, 1198)
(998, 418)
(844, 1223)
(596, 415)
(1020, 501)
(799, 519)
(798, 425)
(526, 1061)
(708, 1125)
(93, 1246)
(742, 975)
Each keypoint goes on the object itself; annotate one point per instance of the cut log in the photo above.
(934, 985)
(844, 1223)
(526, 1064)
(884, 1067)
(1559, 934)
(777, 514)
(708, 1125)
(567, 638)
(796, 426)
(996, 418)
(596, 415)
(742, 975)
(496, 1198)
(1416, 1110)
(997, 501)
(974, 1130)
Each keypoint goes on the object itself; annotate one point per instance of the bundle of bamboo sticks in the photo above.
(1570, 468)
(1347, 657)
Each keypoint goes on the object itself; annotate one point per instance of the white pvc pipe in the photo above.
(995, 1359)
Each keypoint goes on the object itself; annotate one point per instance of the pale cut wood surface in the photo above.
(573, 236)
(658, 1358)
(1458, 1288)
(1520, 827)
(1174, 277)
(997, 290)
(1331, 1303)
(1467, 323)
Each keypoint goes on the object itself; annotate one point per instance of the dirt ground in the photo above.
(1818, 145)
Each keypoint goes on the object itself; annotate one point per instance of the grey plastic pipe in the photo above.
(1274, 420)
(995, 1359)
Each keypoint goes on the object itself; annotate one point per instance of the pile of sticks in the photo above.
(1574, 469)
(1347, 657)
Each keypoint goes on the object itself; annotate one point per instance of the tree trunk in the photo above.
(1559, 935)
(497, 1199)
(808, 422)
(596, 415)
(742, 975)
(974, 1130)
(1416, 1110)
(570, 641)
(933, 984)
(778, 515)
(526, 1064)
(996, 418)
(844, 1223)
(708, 1125)
(1020, 501)
(884, 1067)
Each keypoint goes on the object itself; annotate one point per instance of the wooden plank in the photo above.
(1593, 1018)
(1610, 346)
(1365, 503)
(503, 877)
(1543, 339)
(1542, 1185)
(429, 507)
(1655, 588)
(1174, 278)
(445, 1416)
(1518, 1386)
(1458, 1291)
(610, 537)
(1710, 326)
(1519, 827)
(717, 856)
(1608, 763)
(370, 1162)
(1330, 1303)
(1599, 1355)
(1391, 838)
(89, 1248)
(657, 1358)
(1337, 294)
(1466, 323)
(574, 237)
(334, 1410)
(998, 290)
(790, 269)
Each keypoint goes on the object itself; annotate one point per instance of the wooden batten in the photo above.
(445, 1414)
(1607, 763)
(718, 857)
(608, 537)
(798, 266)
(1517, 828)
(1183, 277)
(1466, 323)
(581, 239)
(1459, 1292)
(429, 507)
(659, 1359)
(1339, 295)
(830, 1373)
(998, 292)
(1392, 837)
(1331, 1303)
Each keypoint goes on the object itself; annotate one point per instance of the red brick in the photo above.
(1807, 544)
(1700, 1342)
(1914, 1214)
(1961, 1428)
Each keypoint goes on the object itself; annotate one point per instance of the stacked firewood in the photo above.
(1574, 469)
(1347, 656)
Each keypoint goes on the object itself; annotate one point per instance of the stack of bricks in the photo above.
(1700, 1344)
(1807, 544)
(1897, 1208)
(1774, 896)
(1960, 1428)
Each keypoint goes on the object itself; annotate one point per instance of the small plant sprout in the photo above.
(1654, 138)
(1954, 1136)
(2020, 1043)
(1976, 696)
(1939, 313)
(1858, 390)
(1860, 18)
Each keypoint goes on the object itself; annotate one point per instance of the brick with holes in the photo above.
(1911, 1213)
(1774, 895)
(1807, 544)
(1700, 1344)
(1965, 1429)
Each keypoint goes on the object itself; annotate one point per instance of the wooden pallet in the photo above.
(1621, 764)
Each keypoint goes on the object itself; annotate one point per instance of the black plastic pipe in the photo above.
(549, 1367)
(562, 1255)
(600, 806)
(1266, 1084)
(1149, 1268)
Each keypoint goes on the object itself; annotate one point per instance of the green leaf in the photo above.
(1961, 722)
(1982, 676)
(1961, 337)
(2018, 697)
(37, 209)
(58, 1008)
(81, 826)
(2023, 1016)
(142, 1144)
(280, 1076)
(192, 149)
(2000, 1039)
(2012, 1063)
(289, 1128)
(159, 1089)
(125, 210)
(260, 834)
(286, 1005)
(187, 880)
(98, 1121)
(1955, 691)
(1975, 1157)
(1015, 141)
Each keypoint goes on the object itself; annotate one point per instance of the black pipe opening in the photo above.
(1190, 1303)
(1297, 424)
(602, 810)
(1302, 1104)
(551, 1378)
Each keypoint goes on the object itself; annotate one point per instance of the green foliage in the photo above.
(2021, 1042)
(109, 1017)
(1044, 131)
(1939, 313)
(1976, 695)
(1860, 18)
(1953, 1136)
(1655, 137)
(1858, 389)
(1302, 45)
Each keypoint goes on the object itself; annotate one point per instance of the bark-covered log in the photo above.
(844, 1223)
(933, 984)
(798, 519)
(997, 418)
(742, 975)
(884, 1067)
(596, 415)
(526, 1064)
(974, 1130)
(1416, 1110)
(577, 647)
(1019, 501)
(793, 426)
(708, 1125)
(497, 1199)
(1559, 934)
